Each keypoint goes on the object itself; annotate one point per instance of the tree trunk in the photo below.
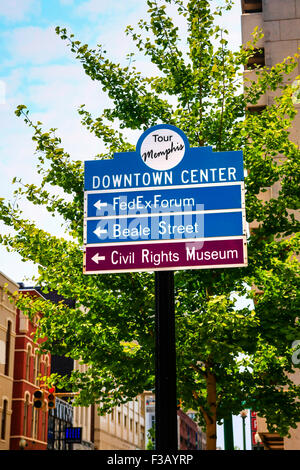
(211, 422)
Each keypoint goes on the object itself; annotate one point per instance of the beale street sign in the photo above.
(166, 206)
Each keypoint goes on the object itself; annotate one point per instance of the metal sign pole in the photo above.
(118, 237)
(228, 434)
(165, 364)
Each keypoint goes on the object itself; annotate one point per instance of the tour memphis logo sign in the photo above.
(164, 206)
(162, 149)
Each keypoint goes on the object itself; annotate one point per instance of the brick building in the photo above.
(190, 435)
(25, 427)
(29, 425)
(7, 346)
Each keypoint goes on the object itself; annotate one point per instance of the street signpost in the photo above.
(187, 202)
(162, 208)
(166, 256)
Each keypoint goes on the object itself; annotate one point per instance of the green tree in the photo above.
(228, 358)
(151, 439)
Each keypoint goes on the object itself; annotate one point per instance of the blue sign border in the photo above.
(127, 170)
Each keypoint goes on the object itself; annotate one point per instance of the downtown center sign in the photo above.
(166, 206)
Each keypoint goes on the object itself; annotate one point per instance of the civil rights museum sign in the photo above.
(166, 206)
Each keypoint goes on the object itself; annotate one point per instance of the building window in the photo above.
(23, 323)
(28, 356)
(25, 419)
(255, 109)
(46, 365)
(257, 59)
(35, 421)
(7, 348)
(142, 433)
(3, 419)
(44, 428)
(34, 369)
(152, 421)
(251, 6)
(37, 368)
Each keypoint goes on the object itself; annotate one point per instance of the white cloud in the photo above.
(92, 7)
(17, 10)
(2, 92)
(36, 45)
(98, 6)
(56, 92)
(231, 21)
(116, 9)
(46, 77)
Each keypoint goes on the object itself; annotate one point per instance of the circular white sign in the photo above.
(162, 149)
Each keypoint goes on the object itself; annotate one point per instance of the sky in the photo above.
(39, 71)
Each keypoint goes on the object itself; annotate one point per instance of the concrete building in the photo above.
(83, 417)
(280, 22)
(7, 346)
(149, 399)
(123, 428)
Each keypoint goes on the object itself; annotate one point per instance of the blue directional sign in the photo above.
(161, 227)
(164, 193)
(128, 170)
(156, 201)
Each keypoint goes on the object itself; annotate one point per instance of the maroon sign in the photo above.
(165, 255)
(253, 424)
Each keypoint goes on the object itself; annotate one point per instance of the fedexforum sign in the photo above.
(165, 206)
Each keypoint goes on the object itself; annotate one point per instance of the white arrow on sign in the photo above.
(100, 204)
(96, 258)
(99, 231)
